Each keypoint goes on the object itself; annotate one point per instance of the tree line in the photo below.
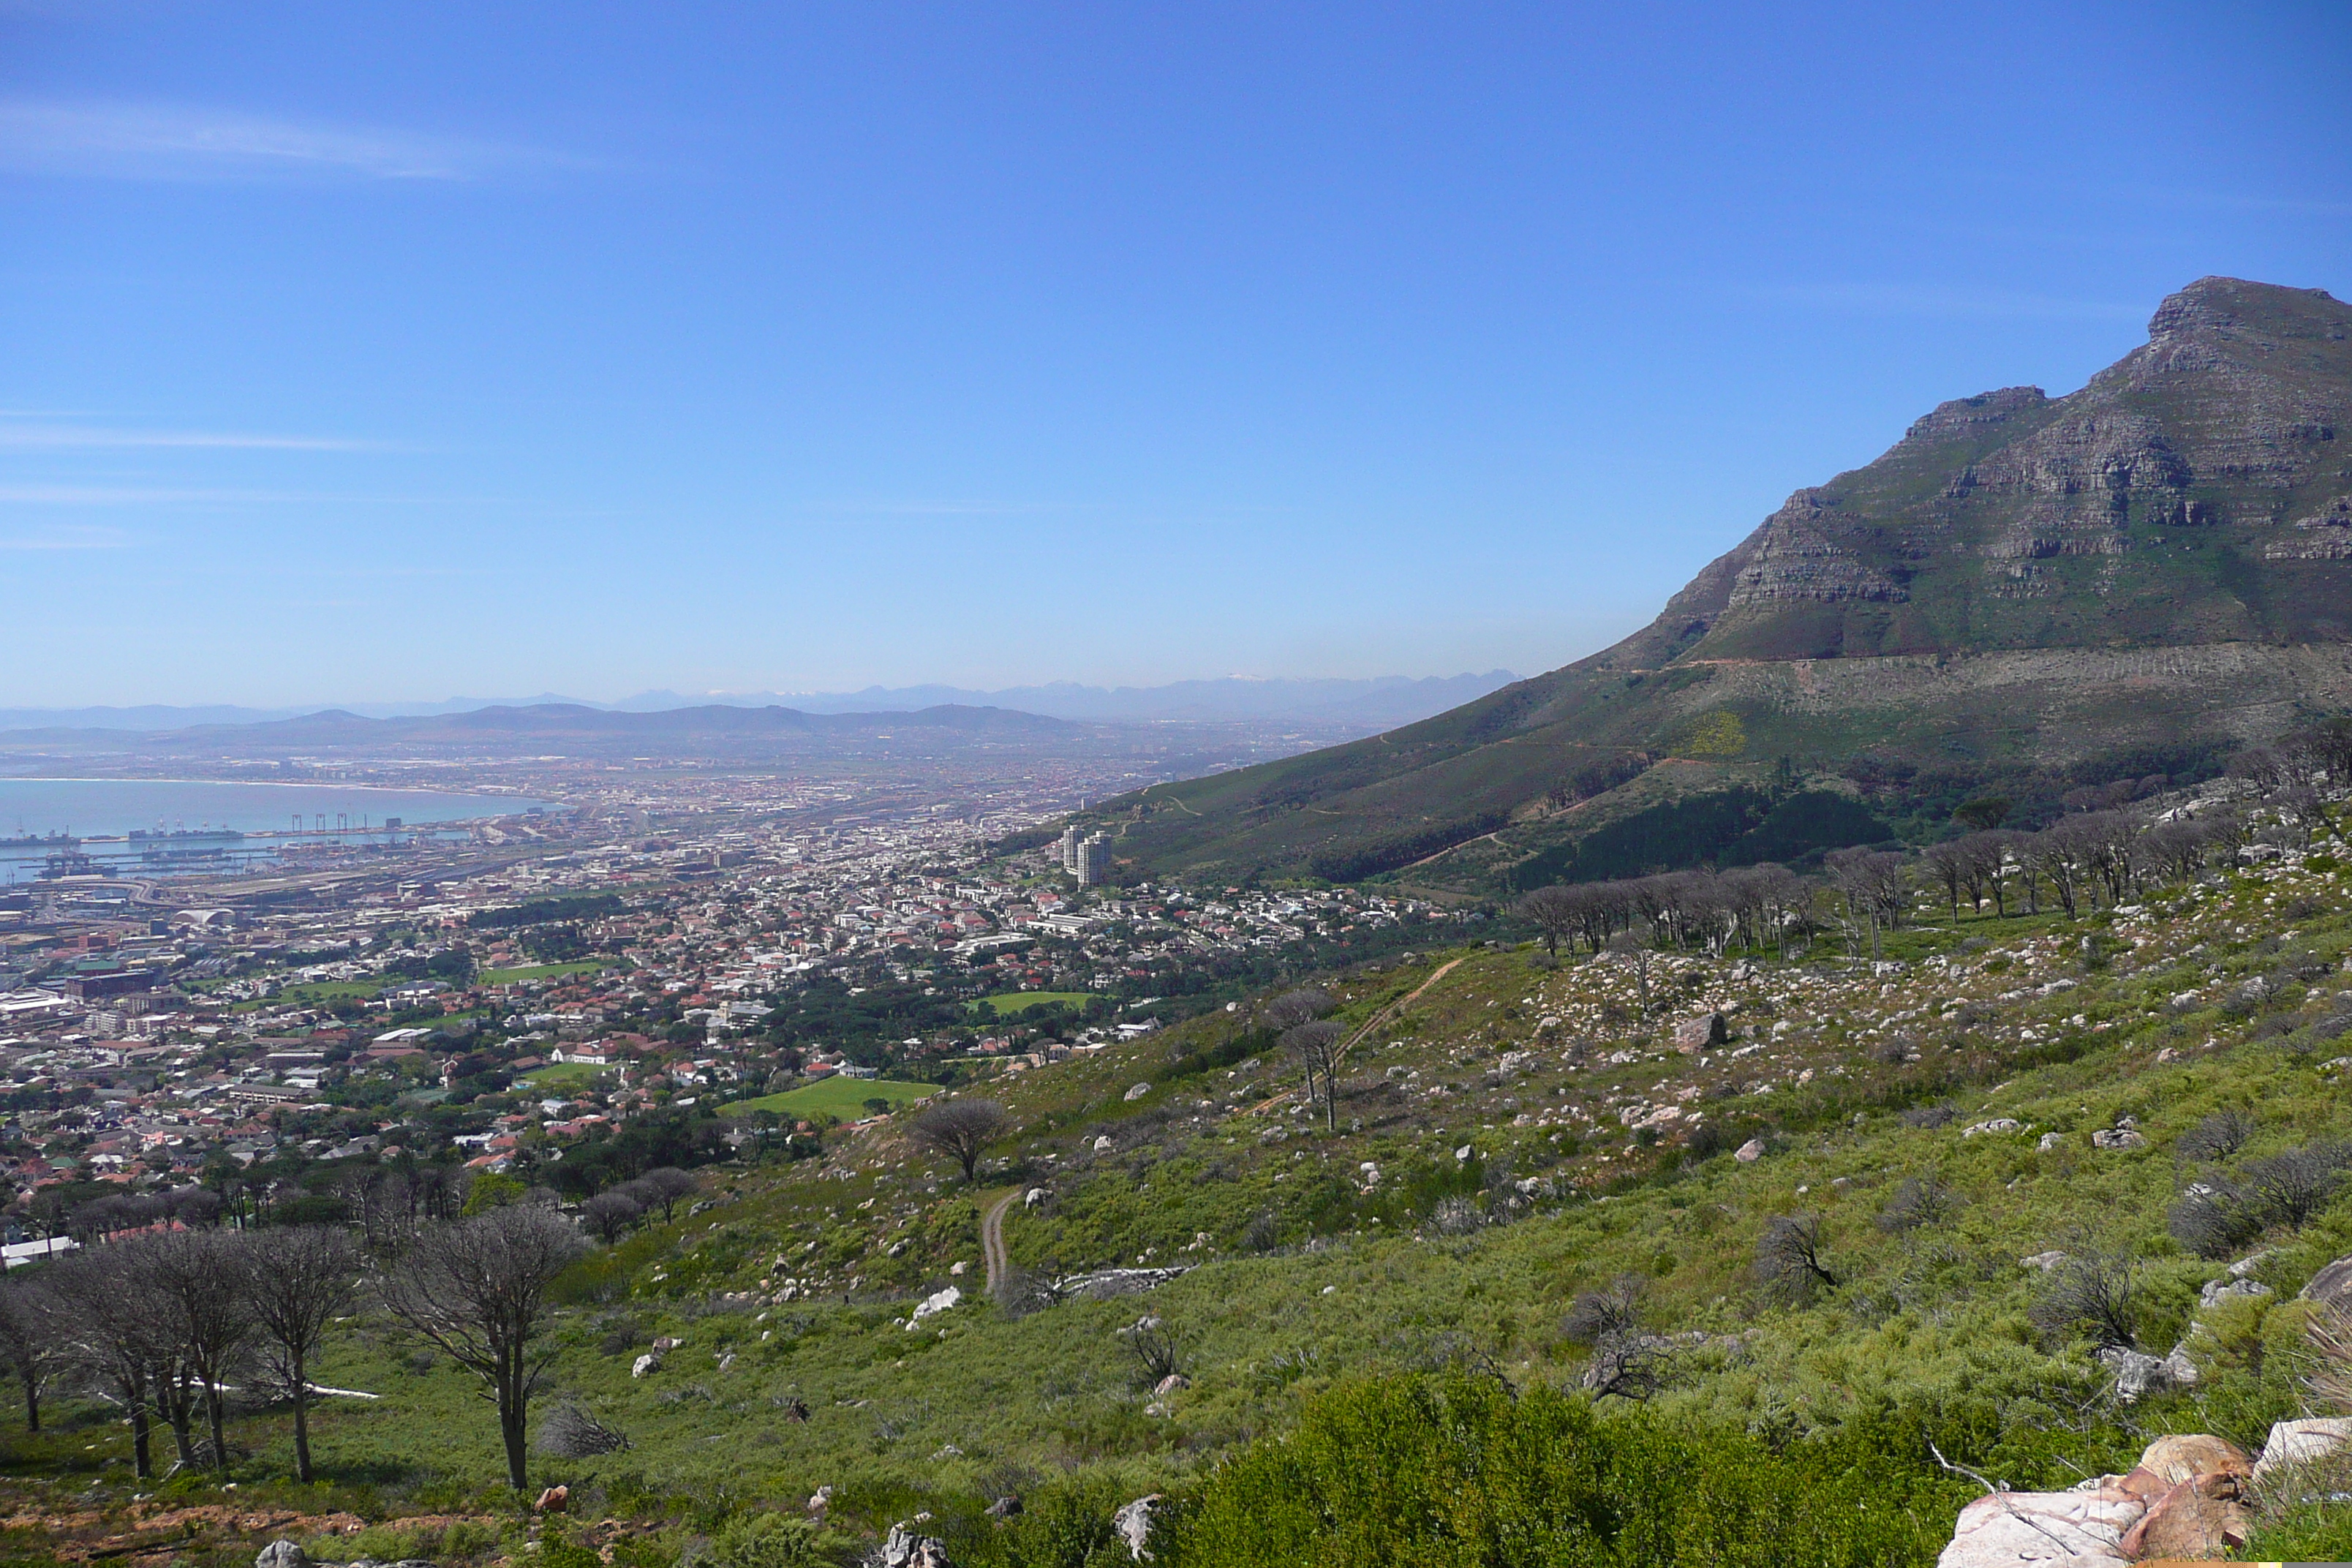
(167, 1315)
(2098, 853)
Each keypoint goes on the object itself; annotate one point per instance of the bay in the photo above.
(109, 807)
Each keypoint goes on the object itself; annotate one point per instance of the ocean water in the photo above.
(93, 807)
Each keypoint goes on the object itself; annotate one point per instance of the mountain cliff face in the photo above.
(2162, 559)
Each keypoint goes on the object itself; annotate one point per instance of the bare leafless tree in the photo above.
(610, 1215)
(107, 1321)
(668, 1185)
(1293, 1009)
(570, 1431)
(1158, 1349)
(1947, 863)
(960, 1128)
(199, 1278)
(1315, 1047)
(1920, 1201)
(2218, 1136)
(1984, 865)
(478, 1290)
(298, 1278)
(2092, 1290)
(1554, 911)
(28, 1339)
(1615, 1309)
(1789, 1259)
(1637, 952)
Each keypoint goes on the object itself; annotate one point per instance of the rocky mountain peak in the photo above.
(2224, 305)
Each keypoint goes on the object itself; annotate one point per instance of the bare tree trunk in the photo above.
(143, 1449)
(32, 1399)
(213, 1416)
(301, 1420)
(512, 1409)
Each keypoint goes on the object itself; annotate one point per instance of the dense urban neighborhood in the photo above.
(537, 1000)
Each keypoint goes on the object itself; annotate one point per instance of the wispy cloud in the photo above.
(54, 436)
(66, 538)
(170, 142)
(1924, 300)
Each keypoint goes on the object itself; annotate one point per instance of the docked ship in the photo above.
(54, 842)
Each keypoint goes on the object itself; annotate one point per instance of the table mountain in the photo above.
(2156, 567)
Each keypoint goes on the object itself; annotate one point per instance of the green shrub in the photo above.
(771, 1540)
(1394, 1470)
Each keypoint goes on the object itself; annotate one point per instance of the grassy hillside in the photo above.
(1515, 1138)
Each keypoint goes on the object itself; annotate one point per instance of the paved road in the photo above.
(992, 1241)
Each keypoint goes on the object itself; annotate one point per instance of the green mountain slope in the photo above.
(2157, 564)
(1510, 1137)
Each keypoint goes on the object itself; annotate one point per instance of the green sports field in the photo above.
(842, 1097)
(1010, 1004)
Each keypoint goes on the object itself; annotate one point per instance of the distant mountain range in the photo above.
(741, 730)
(2135, 578)
(1369, 704)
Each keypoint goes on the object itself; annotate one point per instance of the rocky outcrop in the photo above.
(1133, 1523)
(1706, 1030)
(2293, 1446)
(2138, 1374)
(1794, 556)
(2331, 1287)
(2078, 1530)
(902, 1548)
(2188, 1497)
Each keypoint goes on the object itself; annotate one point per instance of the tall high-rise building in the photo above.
(1070, 849)
(1093, 861)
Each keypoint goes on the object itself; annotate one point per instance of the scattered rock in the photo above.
(649, 1362)
(1133, 1523)
(1998, 1124)
(1103, 1284)
(1138, 1091)
(820, 1499)
(2138, 1374)
(282, 1555)
(2216, 1291)
(1695, 1035)
(1004, 1508)
(1036, 1195)
(2331, 1287)
(2296, 1443)
(1173, 1382)
(2045, 1261)
(2051, 1141)
(903, 1549)
(2116, 1138)
(1748, 1154)
(554, 1499)
(2078, 1529)
(1102, 1144)
(933, 1305)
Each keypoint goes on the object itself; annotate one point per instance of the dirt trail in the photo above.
(1374, 1022)
(992, 1241)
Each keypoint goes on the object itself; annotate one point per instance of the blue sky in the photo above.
(391, 352)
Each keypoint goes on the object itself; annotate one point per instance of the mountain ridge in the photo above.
(2158, 563)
